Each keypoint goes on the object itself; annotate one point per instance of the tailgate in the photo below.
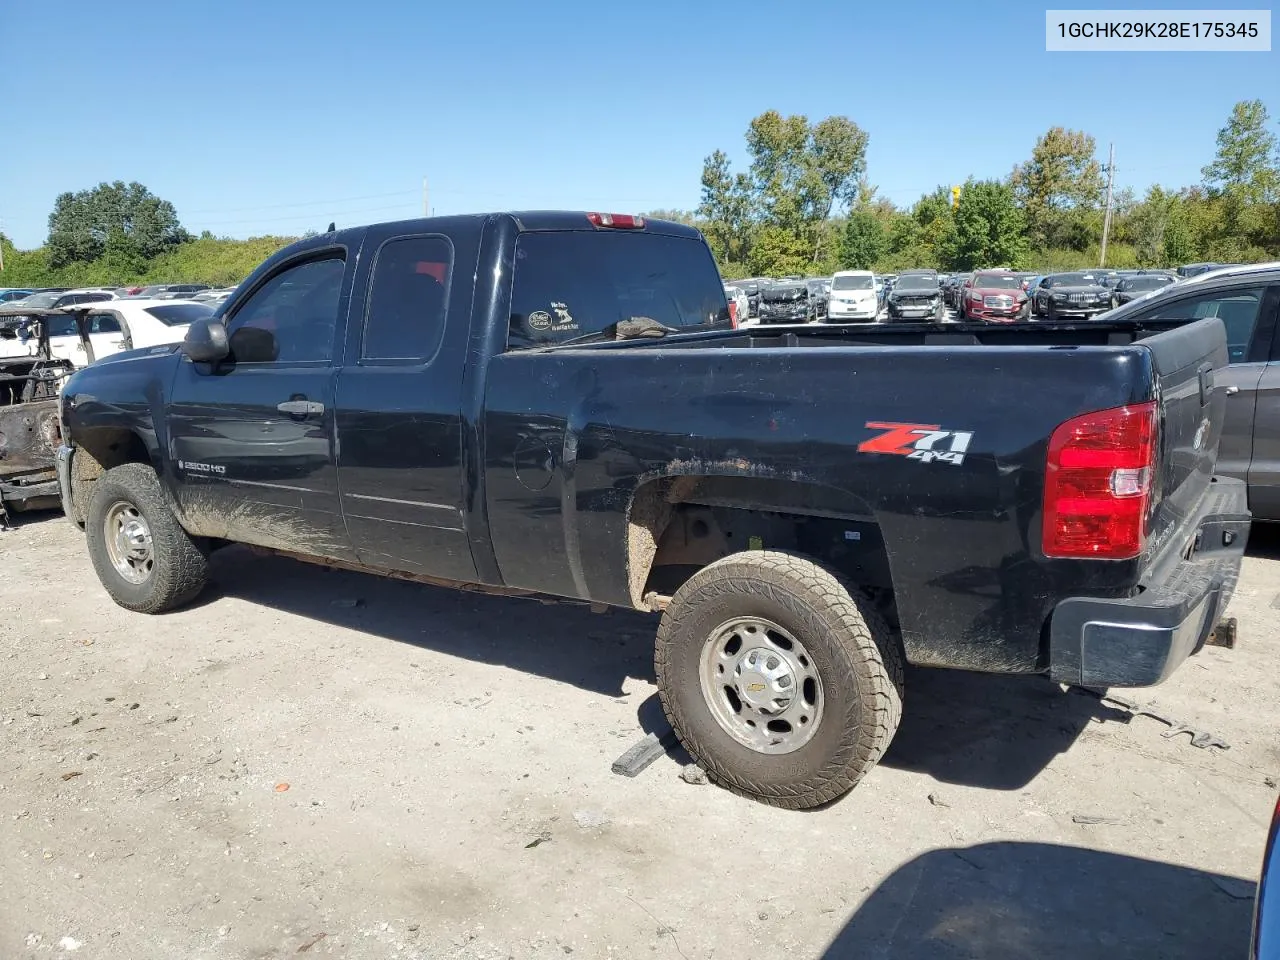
(1185, 362)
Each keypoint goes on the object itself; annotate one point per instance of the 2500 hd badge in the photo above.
(188, 466)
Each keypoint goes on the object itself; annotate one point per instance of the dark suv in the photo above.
(1246, 300)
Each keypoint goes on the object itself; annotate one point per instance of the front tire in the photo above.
(785, 685)
(143, 557)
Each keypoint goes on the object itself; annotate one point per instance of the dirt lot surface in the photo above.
(327, 764)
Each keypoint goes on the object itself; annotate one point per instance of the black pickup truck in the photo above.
(559, 403)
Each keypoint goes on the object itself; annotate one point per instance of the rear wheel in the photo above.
(781, 682)
(143, 557)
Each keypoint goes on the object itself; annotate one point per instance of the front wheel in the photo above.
(785, 685)
(144, 558)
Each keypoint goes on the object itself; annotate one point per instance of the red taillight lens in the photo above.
(618, 221)
(1097, 487)
(733, 314)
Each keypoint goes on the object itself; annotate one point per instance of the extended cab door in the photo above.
(251, 438)
(1247, 310)
(399, 397)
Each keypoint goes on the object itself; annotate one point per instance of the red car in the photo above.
(994, 297)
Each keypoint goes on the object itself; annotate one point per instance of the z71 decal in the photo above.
(918, 441)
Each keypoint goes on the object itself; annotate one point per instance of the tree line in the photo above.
(121, 233)
(804, 205)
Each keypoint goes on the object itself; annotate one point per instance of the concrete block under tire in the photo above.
(811, 623)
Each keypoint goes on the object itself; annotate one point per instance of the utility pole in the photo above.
(1106, 219)
(426, 207)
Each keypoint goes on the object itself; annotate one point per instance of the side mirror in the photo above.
(206, 341)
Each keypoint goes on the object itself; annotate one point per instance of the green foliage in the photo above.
(777, 217)
(988, 230)
(1058, 187)
(126, 221)
(863, 241)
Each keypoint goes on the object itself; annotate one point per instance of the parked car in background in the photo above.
(213, 297)
(1105, 277)
(819, 296)
(1132, 287)
(737, 298)
(1247, 301)
(14, 293)
(119, 325)
(854, 298)
(916, 296)
(787, 302)
(994, 297)
(53, 299)
(1075, 294)
(1195, 269)
(751, 286)
(163, 290)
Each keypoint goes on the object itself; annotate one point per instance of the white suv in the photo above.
(853, 297)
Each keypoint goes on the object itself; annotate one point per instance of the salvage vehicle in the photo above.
(29, 418)
(120, 325)
(1076, 294)
(1247, 301)
(916, 296)
(558, 404)
(854, 298)
(1138, 285)
(787, 301)
(994, 297)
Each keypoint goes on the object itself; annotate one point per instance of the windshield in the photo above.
(177, 314)
(783, 292)
(997, 281)
(41, 300)
(916, 283)
(1074, 280)
(862, 282)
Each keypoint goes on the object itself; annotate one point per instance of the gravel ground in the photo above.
(324, 763)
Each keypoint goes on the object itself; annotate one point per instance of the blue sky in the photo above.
(279, 116)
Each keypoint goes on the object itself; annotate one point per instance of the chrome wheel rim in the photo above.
(761, 685)
(128, 540)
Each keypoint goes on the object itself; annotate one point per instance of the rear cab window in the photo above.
(574, 284)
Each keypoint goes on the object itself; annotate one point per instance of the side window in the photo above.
(1236, 308)
(103, 323)
(408, 297)
(291, 318)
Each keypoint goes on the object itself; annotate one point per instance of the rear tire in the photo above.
(845, 678)
(143, 557)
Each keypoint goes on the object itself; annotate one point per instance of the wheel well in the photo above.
(97, 451)
(677, 526)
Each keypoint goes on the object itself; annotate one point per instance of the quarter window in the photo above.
(408, 297)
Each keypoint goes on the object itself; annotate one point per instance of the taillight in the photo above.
(1097, 487)
(618, 221)
(733, 314)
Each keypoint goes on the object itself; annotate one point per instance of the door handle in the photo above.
(300, 408)
(1231, 390)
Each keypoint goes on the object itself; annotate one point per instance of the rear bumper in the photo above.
(1141, 640)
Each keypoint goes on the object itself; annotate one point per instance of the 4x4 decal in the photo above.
(918, 441)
